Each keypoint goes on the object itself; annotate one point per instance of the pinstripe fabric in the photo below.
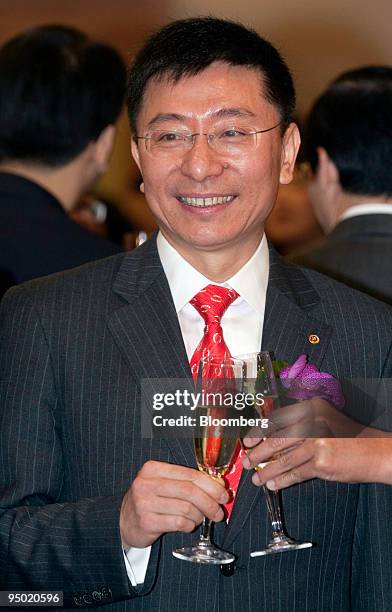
(74, 348)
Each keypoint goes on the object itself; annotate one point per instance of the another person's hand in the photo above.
(165, 498)
(314, 440)
(338, 459)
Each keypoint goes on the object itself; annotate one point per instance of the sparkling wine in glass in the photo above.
(215, 441)
(259, 378)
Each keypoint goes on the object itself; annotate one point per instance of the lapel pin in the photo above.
(314, 339)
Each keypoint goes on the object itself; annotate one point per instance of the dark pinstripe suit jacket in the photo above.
(74, 347)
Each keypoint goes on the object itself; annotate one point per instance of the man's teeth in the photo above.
(201, 202)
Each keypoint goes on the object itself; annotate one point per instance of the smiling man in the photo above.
(222, 148)
(89, 506)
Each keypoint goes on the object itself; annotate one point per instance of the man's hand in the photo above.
(314, 440)
(164, 498)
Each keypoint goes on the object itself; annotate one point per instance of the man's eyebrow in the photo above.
(162, 117)
(222, 113)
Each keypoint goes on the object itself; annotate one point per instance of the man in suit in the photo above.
(57, 116)
(348, 143)
(88, 505)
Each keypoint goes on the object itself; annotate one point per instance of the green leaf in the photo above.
(278, 365)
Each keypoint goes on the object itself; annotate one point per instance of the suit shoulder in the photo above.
(95, 280)
(333, 292)
(314, 257)
(66, 285)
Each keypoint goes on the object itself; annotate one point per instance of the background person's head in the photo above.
(348, 142)
(59, 93)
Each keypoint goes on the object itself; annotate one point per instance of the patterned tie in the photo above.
(211, 303)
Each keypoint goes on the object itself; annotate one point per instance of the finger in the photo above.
(266, 449)
(214, 487)
(295, 476)
(311, 409)
(305, 428)
(163, 489)
(286, 462)
(204, 502)
(279, 422)
(288, 415)
(251, 440)
(172, 506)
(152, 469)
(155, 524)
(169, 471)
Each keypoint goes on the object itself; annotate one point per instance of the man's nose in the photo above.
(201, 161)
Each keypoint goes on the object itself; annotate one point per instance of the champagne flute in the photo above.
(215, 442)
(260, 379)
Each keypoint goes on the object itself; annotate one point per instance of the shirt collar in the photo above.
(373, 208)
(185, 281)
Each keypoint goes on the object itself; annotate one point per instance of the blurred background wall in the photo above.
(319, 39)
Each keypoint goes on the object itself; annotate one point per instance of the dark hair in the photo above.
(352, 120)
(58, 91)
(187, 47)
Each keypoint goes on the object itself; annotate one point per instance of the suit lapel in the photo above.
(289, 330)
(289, 327)
(146, 328)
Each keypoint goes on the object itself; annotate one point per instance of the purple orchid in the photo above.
(304, 381)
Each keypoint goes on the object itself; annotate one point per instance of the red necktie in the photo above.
(211, 303)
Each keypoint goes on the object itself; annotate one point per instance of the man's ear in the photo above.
(103, 148)
(290, 146)
(136, 157)
(135, 153)
(326, 172)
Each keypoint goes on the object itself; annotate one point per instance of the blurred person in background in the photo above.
(348, 142)
(292, 226)
(60, 96)
(102, 217)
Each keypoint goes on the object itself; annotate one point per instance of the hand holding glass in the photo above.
(260, 379)
(214, 444)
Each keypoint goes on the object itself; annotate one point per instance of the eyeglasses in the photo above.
(230, 141)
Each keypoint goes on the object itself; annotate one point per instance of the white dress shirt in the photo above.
(242, 326)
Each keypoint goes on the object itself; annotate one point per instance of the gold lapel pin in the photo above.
(314, 339)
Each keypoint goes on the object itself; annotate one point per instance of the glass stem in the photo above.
(205, 536)
(273, 505)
